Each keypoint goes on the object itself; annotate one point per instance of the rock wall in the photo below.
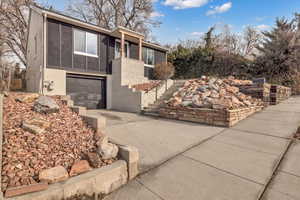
(279, 93)
(209, 116)
(259, 91)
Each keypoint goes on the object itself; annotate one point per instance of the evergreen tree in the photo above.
(279, 61)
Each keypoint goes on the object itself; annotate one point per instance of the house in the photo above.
(95, 66)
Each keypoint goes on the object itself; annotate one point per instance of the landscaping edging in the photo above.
(97, 182)
(226, 118)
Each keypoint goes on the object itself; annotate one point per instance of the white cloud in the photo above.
(259, 19)
(220, 9)
(156, 14)
(183, 4)
(198, 34)
(262, 27)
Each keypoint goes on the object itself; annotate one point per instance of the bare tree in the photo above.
(229, 42)
(132, 14)
(252, 38)
(14, 24)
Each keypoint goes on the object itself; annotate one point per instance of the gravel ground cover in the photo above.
(65, 140)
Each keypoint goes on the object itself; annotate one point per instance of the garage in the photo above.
(87, 91)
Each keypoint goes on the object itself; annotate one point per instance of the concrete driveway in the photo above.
(187, 161)
(157, 139)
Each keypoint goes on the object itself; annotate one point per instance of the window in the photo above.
(85, 43)
(118, 49)
(148, 56)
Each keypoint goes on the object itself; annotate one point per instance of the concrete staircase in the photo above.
(152, 109)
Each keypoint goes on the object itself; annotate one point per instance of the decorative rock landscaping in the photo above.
(211, 101)
(211, 93)
(45, 142)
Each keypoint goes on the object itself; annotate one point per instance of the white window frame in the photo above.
(84, 53)
(147, 65)
(125, 42)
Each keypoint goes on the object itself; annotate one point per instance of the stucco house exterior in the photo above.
(95, 66)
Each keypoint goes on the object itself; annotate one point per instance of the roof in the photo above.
(71, 20)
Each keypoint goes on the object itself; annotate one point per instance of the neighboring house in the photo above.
(95, 66)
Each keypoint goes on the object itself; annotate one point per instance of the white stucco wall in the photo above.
(59, 81)
(131, 71)
(124, 98)
(127, 72)
(35, 52)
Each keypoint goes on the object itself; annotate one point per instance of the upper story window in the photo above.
(85, 43)
(118, 49)
(148, 56)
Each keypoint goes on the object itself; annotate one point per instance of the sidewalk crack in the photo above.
(222, 170)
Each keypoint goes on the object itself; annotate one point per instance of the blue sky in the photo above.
(188, 19)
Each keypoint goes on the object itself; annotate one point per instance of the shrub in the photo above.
(164, 71)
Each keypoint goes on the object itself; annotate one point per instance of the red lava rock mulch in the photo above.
(25, 154)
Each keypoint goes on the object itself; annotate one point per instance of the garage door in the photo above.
(87, 91)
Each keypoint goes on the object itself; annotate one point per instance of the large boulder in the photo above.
(45, 105)
(106, 149)
(53, 175)
(27, 98)
(35, 125)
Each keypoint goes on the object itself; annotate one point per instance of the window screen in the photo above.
(148, 56)
(79, 41)
(91, 42)
(118, 49)
(85, 43)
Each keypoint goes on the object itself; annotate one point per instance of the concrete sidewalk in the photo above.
(195, 162)
(286, 183)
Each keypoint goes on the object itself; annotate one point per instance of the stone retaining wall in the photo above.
(259, 91)
(279, 93)
(208, 116)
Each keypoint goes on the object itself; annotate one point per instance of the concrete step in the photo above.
(153, 108)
